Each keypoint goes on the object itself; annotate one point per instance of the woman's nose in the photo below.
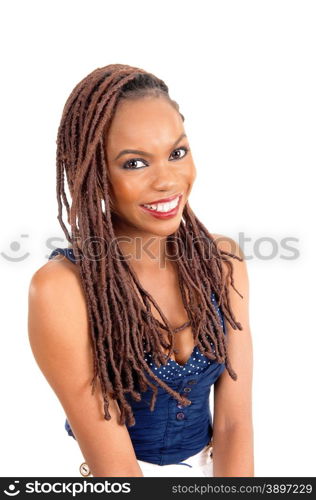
(163, 177)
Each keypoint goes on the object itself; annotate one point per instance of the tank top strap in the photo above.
(219, 311)
(67, 252)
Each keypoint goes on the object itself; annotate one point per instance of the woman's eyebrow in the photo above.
(138, 152)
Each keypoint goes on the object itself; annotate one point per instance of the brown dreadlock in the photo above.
(120, 326)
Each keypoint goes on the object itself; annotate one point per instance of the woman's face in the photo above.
(161, 165)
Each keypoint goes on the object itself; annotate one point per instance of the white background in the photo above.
(243, 73)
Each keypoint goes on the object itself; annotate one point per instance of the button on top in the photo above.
(179, 405)
(191, 382)
(180, 416)
(187, 389)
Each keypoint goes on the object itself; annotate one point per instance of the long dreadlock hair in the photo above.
(121, 324)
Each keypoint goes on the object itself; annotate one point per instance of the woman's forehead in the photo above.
(144, 125)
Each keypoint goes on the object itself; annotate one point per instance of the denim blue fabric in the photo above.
(172, 433)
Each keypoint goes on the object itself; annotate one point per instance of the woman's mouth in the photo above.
(164, 210)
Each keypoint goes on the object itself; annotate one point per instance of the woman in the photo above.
(143, 302)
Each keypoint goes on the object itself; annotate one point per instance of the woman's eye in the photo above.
(130, 164)
(178, 157)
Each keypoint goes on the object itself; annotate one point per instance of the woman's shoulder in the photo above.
(57, 311)
(59, 267)
(57, 281)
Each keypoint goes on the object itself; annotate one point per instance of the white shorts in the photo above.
(198, 465)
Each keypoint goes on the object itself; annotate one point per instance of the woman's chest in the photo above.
(167, 295)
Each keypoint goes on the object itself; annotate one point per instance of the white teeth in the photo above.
(164, 207)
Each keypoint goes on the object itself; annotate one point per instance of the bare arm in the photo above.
(233, 453)
(59, 338)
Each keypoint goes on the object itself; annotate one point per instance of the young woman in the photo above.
(143, 302)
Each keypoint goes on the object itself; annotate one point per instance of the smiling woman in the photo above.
(142, 303)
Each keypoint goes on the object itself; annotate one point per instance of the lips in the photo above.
(162, 214)
(162, 200)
